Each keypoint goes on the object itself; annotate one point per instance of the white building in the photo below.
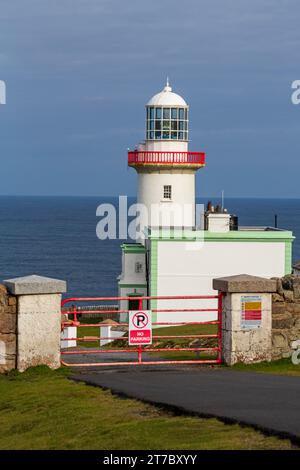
(179, 255)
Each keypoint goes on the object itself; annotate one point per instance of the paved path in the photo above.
(268, 402)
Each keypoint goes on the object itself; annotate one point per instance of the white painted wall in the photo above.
(182, 271)
(218, 222)
(68, 332)
(166, 146)
(128, 275)
(150, 193)
(107, 332)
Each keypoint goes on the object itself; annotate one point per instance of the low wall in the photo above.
(285, 316)
(8, 325)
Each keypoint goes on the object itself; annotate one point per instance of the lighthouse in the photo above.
(165, 167)
(163, 263)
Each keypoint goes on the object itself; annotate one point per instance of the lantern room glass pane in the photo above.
(174, 113)
(174, 125)
(166, 125)
(158, 113)
(173, 135)
(151, 113)
(151, 125)
(166, 113)
(158, 135)
(151, 135)
(180, 135)
(166, 135)
(181, 113)
(158, 125)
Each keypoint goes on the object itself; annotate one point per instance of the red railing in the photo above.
(139, 350)
(166, 158)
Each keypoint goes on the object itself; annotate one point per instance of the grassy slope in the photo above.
(42, 409)
(281, 367)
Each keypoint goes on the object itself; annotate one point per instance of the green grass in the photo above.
(165, 331)
(43, 409)
(88, 331)
(281, 367)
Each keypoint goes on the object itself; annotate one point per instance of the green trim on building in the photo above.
(134, 294)
(231, 236)
(133, 285)
(288, 257)
(153, 282)
(133, 248)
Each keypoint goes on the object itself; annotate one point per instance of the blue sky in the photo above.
(79, 72)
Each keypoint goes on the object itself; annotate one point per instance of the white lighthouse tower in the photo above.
(166, 169)
(174, 263)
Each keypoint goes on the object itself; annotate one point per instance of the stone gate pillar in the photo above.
(38, 320)
(246, 318)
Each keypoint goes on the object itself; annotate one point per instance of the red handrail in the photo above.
(166, 158)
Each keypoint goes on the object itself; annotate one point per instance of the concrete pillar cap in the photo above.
(35, 284)
(244, 283)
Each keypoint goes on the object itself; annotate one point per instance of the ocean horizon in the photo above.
(55, 236)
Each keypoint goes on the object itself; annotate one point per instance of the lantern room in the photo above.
(167, 116)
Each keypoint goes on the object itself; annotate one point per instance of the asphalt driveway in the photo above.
(267, 402)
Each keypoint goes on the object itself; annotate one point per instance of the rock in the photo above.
(287, 282)
(7, 323)
(288, 295)
(284, 321)
(296, 287)
(279, 340)
(293, 307)
(297, 325)
(277, 298)
(278, 308)
(3, 290)
(279, 287)
(286, 354)
(12, 300)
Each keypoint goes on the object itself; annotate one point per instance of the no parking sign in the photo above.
(140, 327)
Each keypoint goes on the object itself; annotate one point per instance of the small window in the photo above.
(138, 267)
(168, 191)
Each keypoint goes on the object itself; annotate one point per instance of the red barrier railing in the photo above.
(166, 158)
(73, 310)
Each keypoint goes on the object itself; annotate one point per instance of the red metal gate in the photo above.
(71, 307)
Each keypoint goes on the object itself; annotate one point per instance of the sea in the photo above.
(56, 237)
